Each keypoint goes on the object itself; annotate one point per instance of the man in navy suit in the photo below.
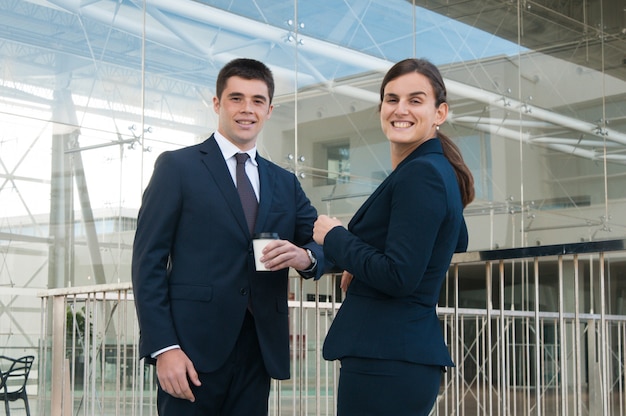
(215, 327)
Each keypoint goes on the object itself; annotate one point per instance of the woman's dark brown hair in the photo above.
(450, 150)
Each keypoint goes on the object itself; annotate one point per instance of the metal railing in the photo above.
(543, 332)
(533, 331)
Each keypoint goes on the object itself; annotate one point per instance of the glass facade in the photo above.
(93, 91)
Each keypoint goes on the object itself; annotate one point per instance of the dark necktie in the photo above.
(246, 192)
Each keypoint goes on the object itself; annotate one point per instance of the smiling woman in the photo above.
(395, 255)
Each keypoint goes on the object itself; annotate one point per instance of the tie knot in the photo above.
(241, 158)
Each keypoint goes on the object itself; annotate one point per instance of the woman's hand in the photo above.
(322, 226)
(346, 278)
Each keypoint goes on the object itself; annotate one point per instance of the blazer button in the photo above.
(243, 291)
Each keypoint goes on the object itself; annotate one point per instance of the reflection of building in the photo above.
(30, 241)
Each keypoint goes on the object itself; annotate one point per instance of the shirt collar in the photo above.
(229, 150)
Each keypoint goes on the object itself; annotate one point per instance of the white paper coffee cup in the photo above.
(258, 244)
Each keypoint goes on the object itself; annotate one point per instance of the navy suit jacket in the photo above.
(193, 264)
(398, 246)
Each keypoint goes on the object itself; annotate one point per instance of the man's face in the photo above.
(242, 109)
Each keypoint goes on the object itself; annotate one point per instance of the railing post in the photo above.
(605, 385)
(537, 340)
(60, 384)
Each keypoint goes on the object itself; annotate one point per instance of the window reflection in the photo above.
(90, 98)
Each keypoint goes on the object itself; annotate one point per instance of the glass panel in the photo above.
(567, 194)
(535, 126)
(536, 93)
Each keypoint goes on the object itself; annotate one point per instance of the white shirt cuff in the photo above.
(161, 351)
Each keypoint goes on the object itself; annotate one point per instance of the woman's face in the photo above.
(408, 115)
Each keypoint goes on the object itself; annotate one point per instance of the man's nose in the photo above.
(247, 106)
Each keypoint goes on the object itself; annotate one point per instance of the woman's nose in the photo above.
(401, 108)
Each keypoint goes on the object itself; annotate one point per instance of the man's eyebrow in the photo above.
(236, 94)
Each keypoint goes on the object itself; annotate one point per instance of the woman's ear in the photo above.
(442, 113)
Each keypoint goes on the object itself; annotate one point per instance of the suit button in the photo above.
(243, 291)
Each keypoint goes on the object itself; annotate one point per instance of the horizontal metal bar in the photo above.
(540, 251)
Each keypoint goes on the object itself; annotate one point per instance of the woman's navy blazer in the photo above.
(398, 246)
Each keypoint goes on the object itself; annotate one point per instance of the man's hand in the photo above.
(174, 371)
(280, 254)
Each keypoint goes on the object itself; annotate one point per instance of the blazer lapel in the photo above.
(363, 209)
(216, 165)
(432, 145)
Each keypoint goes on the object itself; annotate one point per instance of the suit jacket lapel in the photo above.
(215, 163)
(429, 146)
(363, 209)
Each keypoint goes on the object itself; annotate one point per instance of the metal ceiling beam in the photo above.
(206, 16)
(527, 110)
(164, 11)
